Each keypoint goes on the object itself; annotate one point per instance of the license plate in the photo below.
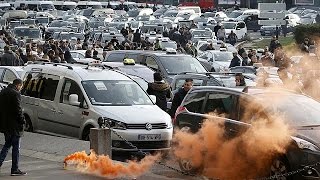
(267, 31)
(149, 137)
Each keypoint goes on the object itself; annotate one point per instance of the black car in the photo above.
(167, 63)
(302, 115)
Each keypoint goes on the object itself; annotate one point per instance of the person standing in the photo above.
(179, 96)
(160, 89)
(8, 58)
(232, 38)
(12, 124)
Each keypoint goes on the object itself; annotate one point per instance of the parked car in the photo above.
(167, 63)
(304, 149)
(10, 73)
(67, 100)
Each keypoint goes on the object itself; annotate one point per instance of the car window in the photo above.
(151, 62)
(8, 76)
(40, 85)
(219, 103)
(1, 72)
(204, 56)
(194, 102)
(70, 87)
(116, 57)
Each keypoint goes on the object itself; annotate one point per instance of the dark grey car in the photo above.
(302, 114)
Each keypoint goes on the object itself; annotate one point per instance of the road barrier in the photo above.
(100, 141)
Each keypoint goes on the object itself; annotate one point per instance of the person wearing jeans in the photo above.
(12, 124)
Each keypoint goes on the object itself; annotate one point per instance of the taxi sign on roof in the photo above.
(128, 61)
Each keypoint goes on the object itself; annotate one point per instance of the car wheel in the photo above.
(280, 166)
(28, 126)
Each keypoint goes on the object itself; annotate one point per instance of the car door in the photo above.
(70, 117)
(223, 105)
(44, 89)
(192, 117)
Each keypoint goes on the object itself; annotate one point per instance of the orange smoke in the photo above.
(104, 166)
(247, 155)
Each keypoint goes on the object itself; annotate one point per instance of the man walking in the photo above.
(179, 96)
(11, 124)
(161, 90)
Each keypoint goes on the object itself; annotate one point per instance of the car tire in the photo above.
(279, 166)
(28, 126)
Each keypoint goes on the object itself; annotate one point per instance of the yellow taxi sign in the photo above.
(128, 61)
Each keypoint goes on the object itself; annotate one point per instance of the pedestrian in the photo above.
(221, 34)
(161, 90)
(246, 59)
(88, 54)
(273, 44)
(95, 55)
(68, 57)
(137, 36)
(239, 79)
(232, 38)
(235, 60)
(179, 96)
(8, 58)
(12, 124)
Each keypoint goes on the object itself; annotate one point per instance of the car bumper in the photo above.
(301, 158)
(132, 135)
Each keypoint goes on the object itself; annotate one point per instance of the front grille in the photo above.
(142, 144)
(143, 126)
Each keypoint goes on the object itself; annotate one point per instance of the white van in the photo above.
(196, 9)
(68, 100)
(239, 28)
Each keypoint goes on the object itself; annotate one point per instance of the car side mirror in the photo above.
(238, 28)
(211, 59)
(74, 100)
(153, 98)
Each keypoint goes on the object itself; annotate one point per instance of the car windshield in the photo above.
(202, 33)
(170, 14)
(167, 44)
(223, 56)
(70, 35)
(115, 93)
(148, 29)
(298, 110)
(58, 23)
(229, 25)
(134, 24)
(179, 64)
(235, 14)
(28, 21)
(43, 20)
(27, 32)
(142, 72)
(133, 13)
(47, 6)
(229, 81)
(143, 18)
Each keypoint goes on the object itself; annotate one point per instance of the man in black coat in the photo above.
(179, 96)
(161, 90)
(9, 58)
(12, 123)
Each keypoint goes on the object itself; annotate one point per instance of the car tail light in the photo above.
(178, 111)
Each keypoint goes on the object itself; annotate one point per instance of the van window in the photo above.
(8, 76)
(116, 57)
(70, 87)
(40, 85)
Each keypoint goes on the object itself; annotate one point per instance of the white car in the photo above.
(239, 28)
(9, 73)
(293, 19)
(68, 100)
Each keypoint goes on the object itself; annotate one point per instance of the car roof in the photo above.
(78, 71)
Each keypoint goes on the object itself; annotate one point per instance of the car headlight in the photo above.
(169, 125)
(303, 144)
(114, 124)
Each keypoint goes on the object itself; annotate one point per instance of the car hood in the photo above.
(135, 114)
(310, 134)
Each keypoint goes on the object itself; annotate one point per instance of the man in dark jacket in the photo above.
(137, 36)
(235, 61)
(12, 123)
(9, 58)
(179, 96)
(161, 90)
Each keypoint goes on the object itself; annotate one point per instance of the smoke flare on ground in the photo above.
(247, 155)
(104, 166)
